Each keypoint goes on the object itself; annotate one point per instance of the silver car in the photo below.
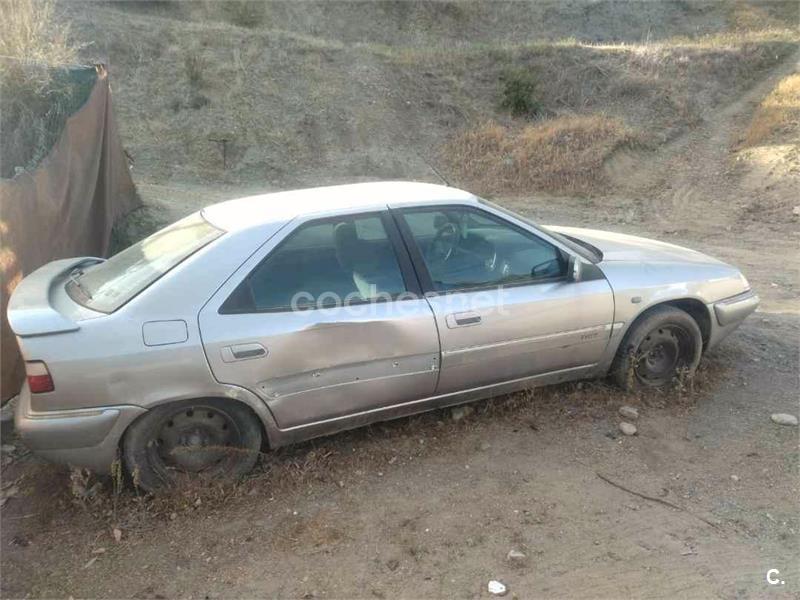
(267, 320)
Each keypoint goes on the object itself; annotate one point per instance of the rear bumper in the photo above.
(729, 314)
(81, 438)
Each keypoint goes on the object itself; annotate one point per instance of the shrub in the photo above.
(29, 31)
(244, 13)
(562, 155)
(36, 93)
(519, 93)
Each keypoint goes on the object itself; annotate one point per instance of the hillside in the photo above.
(340, 91)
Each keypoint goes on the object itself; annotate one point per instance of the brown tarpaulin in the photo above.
(66, 207)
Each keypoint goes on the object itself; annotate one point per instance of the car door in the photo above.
(503, 302)
(328, 323)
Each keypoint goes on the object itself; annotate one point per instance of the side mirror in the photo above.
(574, 268)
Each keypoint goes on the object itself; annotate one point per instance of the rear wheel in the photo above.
(664, 345)
(208, 439)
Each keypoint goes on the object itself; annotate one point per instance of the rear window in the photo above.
(108, 285)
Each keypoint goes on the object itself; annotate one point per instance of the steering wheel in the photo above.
(444, 243)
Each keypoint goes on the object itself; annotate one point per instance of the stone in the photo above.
(629, 412)
(497, 588)
(516, 557)
(627, 428)
(784, 419)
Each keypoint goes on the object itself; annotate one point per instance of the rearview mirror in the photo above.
(574, 268)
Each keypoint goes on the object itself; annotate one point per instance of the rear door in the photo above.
(503, 303)
(325, 324)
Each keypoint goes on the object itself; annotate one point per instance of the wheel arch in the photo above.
(264, 418)
(695, 309)
(692, 306)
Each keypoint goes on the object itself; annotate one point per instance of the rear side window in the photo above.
(323, 264)
(108, 285)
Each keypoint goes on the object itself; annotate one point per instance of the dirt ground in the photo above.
(702, 502)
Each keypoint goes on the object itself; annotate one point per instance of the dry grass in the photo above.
(29, 31)
(35, 95)
(561, 155)
(778, 112)
(748, 15)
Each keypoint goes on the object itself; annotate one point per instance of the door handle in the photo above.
(463, 319)
(243, 352)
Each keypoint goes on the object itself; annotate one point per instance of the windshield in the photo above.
(108, 285)
(581, 248)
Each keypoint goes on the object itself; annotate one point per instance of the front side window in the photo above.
(108, 285)
(465, 248)
(334, 262)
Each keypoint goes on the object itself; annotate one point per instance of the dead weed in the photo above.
(561, 155)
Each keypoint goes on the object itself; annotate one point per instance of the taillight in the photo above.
(39, 379)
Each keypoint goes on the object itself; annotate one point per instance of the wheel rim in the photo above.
(662, 353)
(195, 439)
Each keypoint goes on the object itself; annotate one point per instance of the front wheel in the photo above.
(208, 439)
(663, 346)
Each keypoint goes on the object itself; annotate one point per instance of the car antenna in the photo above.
(436, 171)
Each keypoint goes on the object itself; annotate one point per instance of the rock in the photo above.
(7, 448)
(796, 211)
(459, 412)
(497, 588)
(734, 478)
(627, 428)
(117, 533)
(516, 557)
(784, 419)
(629, 412)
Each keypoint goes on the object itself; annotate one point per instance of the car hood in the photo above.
(630, 248)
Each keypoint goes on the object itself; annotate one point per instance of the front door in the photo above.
(324, 326)
(504, 305)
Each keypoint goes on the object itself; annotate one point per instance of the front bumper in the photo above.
(81, 438)
(735, 309)
(729, 314)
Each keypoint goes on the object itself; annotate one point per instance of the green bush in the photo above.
(519, 93)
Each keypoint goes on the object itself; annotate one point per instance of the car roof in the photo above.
(252, 211)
